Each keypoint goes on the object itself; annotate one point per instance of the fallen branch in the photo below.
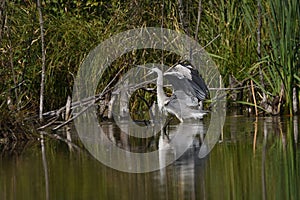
(49, 124)
(72, 118)
(88, 102)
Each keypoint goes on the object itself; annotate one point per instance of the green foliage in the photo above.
(280, 47)
(284, 26)
(72, 28)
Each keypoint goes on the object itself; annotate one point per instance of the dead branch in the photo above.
(43, 60)
(87, 102)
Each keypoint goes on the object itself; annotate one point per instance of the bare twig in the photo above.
(212, 41)
(198, 20)
(74, 117)
(43, 60)
(76, 104)
(68, 108)
(49, 124)
(254, 99)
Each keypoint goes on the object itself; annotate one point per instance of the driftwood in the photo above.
(87, 102)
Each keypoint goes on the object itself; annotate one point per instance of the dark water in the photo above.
(253, 159)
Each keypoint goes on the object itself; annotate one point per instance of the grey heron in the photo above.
(189, 89)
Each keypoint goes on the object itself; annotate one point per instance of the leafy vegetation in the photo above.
(228, 29)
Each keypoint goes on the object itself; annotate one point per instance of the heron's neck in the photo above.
(161, 97)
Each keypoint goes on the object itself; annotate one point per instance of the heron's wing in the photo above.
(178, 81)
(199, 85)
(194, 87)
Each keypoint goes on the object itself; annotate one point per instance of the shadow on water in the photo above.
(255, 158)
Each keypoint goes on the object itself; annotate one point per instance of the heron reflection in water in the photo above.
(189, 91)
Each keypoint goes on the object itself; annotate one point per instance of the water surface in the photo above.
(253, 159)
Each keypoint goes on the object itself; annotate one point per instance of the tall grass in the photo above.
(279, 61)
(234, 47)
(284, 26)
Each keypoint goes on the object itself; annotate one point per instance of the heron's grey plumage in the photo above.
(188, 90)
(193, 82)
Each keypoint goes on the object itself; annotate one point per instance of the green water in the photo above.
(254, 159)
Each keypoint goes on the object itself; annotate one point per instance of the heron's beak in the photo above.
(150, 72)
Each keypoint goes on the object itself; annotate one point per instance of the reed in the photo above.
(278, 65)
(284, 27)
